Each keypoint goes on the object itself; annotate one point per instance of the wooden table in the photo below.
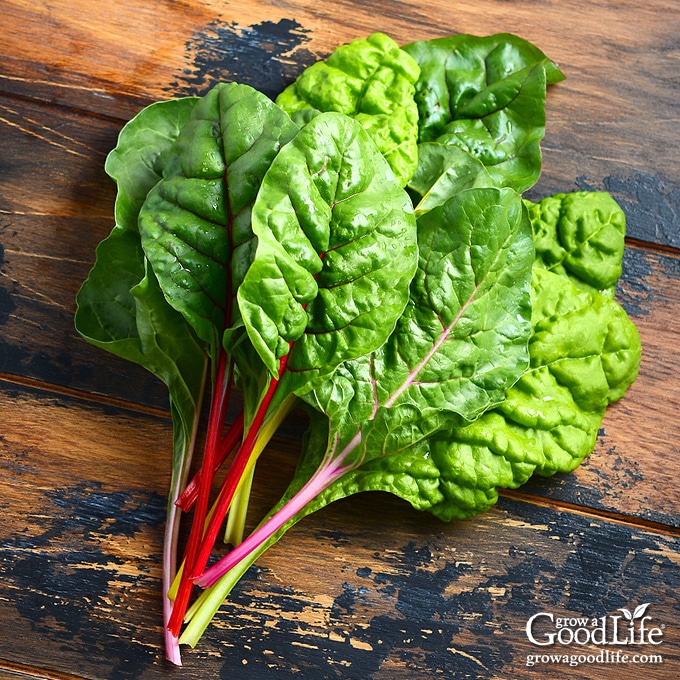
(368, 588)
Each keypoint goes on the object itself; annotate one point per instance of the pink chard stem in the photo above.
(180, 474)
(327, 473)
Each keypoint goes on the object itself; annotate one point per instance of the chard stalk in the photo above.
(188, 497)
(218, 407)
(238, 511)
(331, 469)
(281, 518)
(180, 471)
(232, 480)
(266, 433)
(202, 611)
(239, 506)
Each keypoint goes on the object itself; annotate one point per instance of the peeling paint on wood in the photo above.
(651, 204)
(268, 55)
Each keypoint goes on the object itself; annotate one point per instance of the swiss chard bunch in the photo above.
(359, 248)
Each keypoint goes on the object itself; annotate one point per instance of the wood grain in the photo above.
(85, 438)
(613, 123)
(56, 205)
(15, 671)
(405, 597)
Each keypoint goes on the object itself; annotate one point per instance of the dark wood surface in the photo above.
(368, 588)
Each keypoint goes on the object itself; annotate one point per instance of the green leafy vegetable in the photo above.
(580, 235)
(487, 96)
(336, 251)
(585, 353)
(442, 172)
(372, 80)
(195, 223)
(444, 350)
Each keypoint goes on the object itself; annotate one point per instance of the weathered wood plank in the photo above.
(16, 671)
(403, 596)
(612, 124)
(56, 204)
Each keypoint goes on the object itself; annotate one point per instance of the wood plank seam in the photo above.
(81, 395)
(595, 513)
(58, 107)
(663, 248)
(34, 672)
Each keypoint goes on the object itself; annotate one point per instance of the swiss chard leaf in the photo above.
(106, 313)
(144, 148)
(487, 96)
(580, 235)
(336, 251)
(120, 287)
(462, 340)
(585, 353)
(443, 171)
(195, 223)
(372, 80)
(107, 310)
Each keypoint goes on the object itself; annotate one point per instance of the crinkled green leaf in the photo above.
(585, 353)
(106, 312)
(120, 307)
(195, 223)
(444, 170)
(507, 141)
(487, 96)
(466, 74)
(462, 340)
(580, 235)
(586, 340)
(143, 149)
(336, 250)
(372, 80)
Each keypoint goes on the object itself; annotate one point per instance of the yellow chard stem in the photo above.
(239, 505)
